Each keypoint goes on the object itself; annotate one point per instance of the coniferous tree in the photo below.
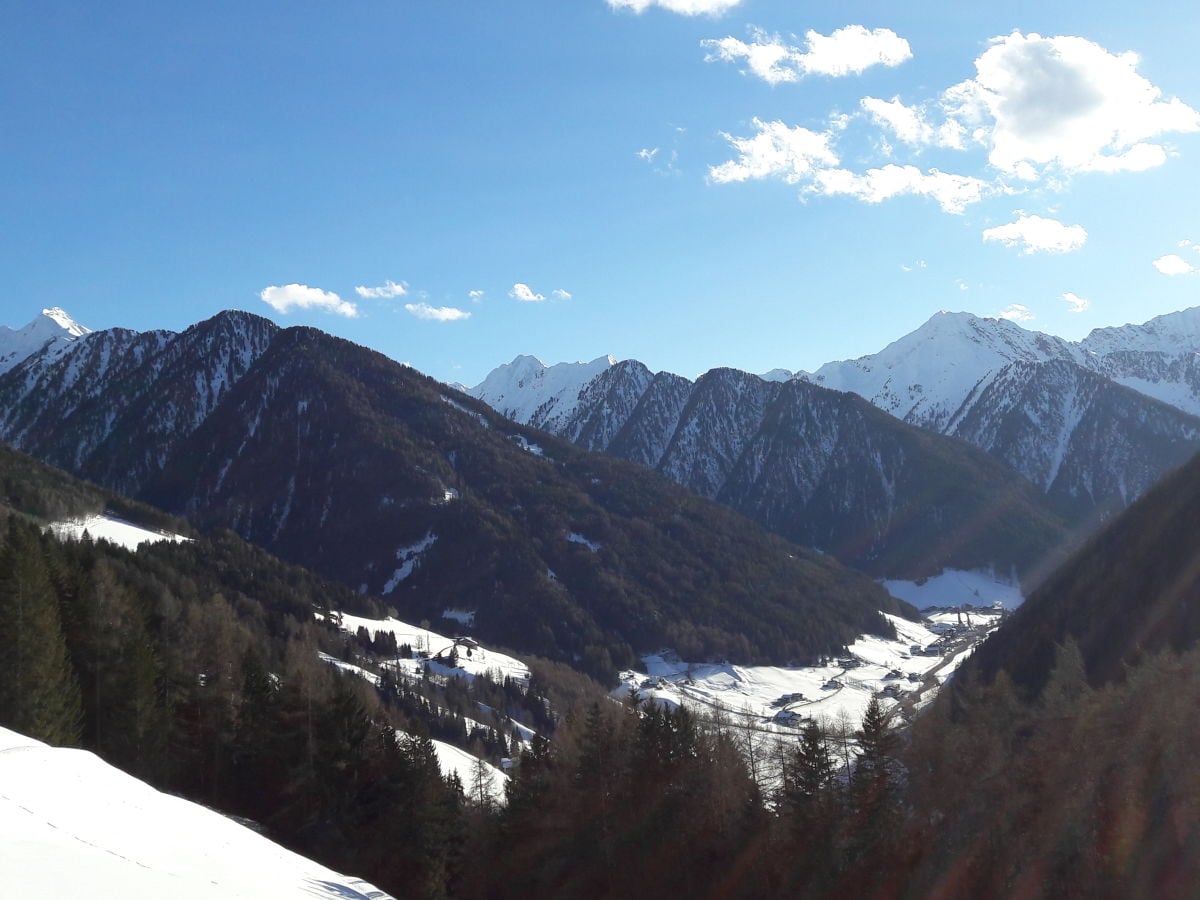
(874, 790)
(39, 693)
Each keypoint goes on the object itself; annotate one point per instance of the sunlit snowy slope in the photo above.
(73, 826)
(111, 529)
(53, 327)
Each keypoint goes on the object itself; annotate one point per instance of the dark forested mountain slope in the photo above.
(1133, 590)
(820, 467)
(1091, 425)
(362, 469)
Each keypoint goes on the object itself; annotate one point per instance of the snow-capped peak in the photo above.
(1173, 333)
(778, 375)
(63, 320)
(53, 326)
(528, 391)
(925, 376)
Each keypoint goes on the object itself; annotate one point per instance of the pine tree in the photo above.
(810, 773)
(873, 786)
(39, 694)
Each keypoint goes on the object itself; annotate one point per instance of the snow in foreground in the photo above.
(73, 826)
(115, 531)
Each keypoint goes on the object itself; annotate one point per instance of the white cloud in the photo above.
(776, 151)
(684, 7)
(1064, 103)
(1015, 312)
(1035, 234)
(283, 299)
(525, 293)
(1078, 304)
(1173, 264)
(919, 264)
(387, 290)
(560, 294)
(954, 193)
(854, 49)
(647, 154)
(910, 124)
(847, 51)
(436, 313)
(475, 296)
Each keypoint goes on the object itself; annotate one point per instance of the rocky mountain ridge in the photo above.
(331, 455)
(1092, 424)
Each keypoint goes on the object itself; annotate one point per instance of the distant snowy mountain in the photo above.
(925, 377)
(526, 390)
(1093, 424)
(933, 376)
(53, 327)
(73, 826)
(817, 466)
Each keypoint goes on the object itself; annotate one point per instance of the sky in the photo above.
(691, 183)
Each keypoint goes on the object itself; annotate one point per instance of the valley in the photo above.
(587, 627)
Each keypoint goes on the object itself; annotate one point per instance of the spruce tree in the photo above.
(39, 694)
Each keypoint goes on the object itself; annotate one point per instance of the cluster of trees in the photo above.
(221, 697)
(195, 666)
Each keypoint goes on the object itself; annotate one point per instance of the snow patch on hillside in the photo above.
(465, 766)
(111, 529)
(479, 661)
(576, 538)
(73, 826)
(527, 445)
(409, 558)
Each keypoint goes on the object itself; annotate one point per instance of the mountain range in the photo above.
(367, 472)
(1089, 425)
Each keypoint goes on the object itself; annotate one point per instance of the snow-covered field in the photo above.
(955, 587)
(780, 699)
(472, 661)
(111, 529)
(73, 826)
(462, 763)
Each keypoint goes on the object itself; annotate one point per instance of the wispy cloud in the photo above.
(684, 7)
(560, 294)
(1035, 234)
(1173, 264)
(1078, 304)
(475, 296)
(792, 153)
(847, 51)
(526, 294)
(385, 291)
(1015, 312)
(285, 298)
(953, 193)
(436, 313)
(910, 124)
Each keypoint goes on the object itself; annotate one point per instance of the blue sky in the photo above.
(691, 183)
